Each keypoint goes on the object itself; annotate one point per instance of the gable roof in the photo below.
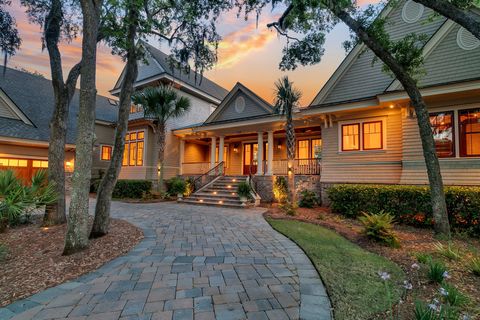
(33, 95)
(358, 77)
(158, 65)
(258, 107)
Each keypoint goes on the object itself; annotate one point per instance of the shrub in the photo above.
(288, 208)
(243, 190)
(424, 258)
(280, 189)
(408, 204)
(449, 251)
(475, 266)
(189, 186)
(379, 227)
(437, 271)
(308, 199)
(176, 186)
(134, 189)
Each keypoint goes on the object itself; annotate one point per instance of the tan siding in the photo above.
(382, 166)
(235, 161)
(195, 152)
(104, 136)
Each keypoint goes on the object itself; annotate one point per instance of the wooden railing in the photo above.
(195, 167)
(301, 166)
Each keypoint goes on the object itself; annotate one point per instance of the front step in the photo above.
(222, 193)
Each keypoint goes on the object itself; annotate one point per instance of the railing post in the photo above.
(213, 147)
(260, 154)
(182, 156)
(270, 153)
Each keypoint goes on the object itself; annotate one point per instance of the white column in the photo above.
(213, 146)
(270, 153)
(260, 154)
(221, 144)
(182, 155)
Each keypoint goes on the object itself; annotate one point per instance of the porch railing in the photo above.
(209, 176)
(195, 167)
(301, 166)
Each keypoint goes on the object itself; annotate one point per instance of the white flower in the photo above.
(407, 285)
(466, 317)
(443, 292)
(415, 266)
(384, 275)
(445, 275)
(433, 307)
(436, 301)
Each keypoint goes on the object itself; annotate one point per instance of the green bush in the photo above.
(243, 190)
(189, 186)
(133, 189)
(408, 204)
(437, 271)
(379, 227)
(176, 186)
(280, 189)
(308, 199)
(288, 208)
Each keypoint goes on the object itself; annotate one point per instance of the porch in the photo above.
(260, 153)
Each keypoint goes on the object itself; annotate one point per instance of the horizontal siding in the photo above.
(382, 166)
(251, 109)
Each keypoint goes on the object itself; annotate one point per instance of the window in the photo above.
(372, 135)
(40, 164)
(303, 149)
(469, 121)
(225, 153)
(351, 137)
(134, 108)
(106, 153)
(317, 148)
(13, 163)
(443, 133)
(134, 148)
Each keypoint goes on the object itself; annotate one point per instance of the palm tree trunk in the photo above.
(104, 197)
(161, 154)
(290, 133)
(76, 238)
(439, 207)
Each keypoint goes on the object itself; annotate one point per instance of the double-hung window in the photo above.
(134, 147)
(469, 123)
(443, 133)
(362, 135)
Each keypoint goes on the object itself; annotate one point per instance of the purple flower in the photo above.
(407, 285)
(434, 307)
(415, 266)
(445, 275)
(443, 292)
(384, 275)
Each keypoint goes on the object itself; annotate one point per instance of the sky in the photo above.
(248, 53)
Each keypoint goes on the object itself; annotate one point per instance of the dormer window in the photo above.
(135, 108)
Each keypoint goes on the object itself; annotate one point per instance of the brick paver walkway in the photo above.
(194, 263)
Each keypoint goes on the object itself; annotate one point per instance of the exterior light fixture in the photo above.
(229, 186)
(220, 202)
(392, 106)
(234, 180)
(290, 171)
(214, 192)
(279, 145)
(200, 200)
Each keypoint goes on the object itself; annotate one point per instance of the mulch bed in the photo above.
(34, 261)
(413, 240)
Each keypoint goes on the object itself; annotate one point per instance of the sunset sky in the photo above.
(247, 54)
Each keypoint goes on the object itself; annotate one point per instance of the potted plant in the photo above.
(178, 187)
(243, 192)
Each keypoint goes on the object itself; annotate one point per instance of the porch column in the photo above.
(270, 153)
(182, 155)
(213, 147)
(221, 144)
(260, 154)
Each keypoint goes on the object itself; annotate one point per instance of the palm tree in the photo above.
(286, 98)
(161, 104)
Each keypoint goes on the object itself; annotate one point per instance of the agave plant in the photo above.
(18, 200)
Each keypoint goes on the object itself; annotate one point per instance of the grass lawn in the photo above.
(349, 272)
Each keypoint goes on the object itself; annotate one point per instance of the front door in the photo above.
(250, 152)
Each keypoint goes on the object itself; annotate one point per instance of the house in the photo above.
(140, 160)
(360, 128)
(26, 106)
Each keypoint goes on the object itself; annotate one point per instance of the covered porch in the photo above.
(255, 152)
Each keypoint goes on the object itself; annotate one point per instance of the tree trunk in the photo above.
(63, 93)
(77, 228)
(105, 190)
(161, 153)
(466, 18)
(290, 133)
(439, 207)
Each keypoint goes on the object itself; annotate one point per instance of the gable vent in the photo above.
(412, 11)
(466, 40)
(239, 104)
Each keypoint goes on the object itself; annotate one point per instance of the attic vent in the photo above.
(412, 11)
(239, 104)
(466, 40)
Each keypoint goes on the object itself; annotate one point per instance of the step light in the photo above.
(214, 192)
(234, 180)
(200, 200)
(229, 186)
(220, 202)
(233, 193)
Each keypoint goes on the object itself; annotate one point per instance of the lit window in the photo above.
(317, 148)
(225, 152)
(40, 164)
(106, 153)
(372, 135)
(134, 149)
(443, 133)
(351, 137)
(303, 149)
(469, 132)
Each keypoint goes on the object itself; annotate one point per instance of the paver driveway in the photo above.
(194, 263)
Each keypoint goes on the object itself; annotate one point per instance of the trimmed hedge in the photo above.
(408, 204)
(134, 189)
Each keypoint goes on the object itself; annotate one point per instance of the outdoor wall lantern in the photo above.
(279, 145)
(235, 148)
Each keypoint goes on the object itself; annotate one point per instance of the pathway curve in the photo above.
(195, 262)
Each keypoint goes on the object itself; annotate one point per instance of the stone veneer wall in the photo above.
(264, 185)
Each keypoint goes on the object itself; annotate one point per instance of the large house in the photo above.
(360, 128)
